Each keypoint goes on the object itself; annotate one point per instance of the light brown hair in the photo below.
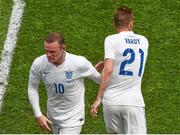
(123, 16)
(53, 37)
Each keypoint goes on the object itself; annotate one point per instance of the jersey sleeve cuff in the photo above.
(37, 114)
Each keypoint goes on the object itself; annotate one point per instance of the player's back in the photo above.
(129, 52)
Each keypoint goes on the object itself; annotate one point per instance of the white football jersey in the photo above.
(65, 88)
(129, 52)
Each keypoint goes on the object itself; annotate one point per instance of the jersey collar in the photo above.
(126, 32)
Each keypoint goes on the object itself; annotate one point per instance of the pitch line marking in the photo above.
(9, 45)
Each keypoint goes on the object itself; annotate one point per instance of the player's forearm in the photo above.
(33, 96)
(105, 78)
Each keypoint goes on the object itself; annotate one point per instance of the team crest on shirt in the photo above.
(69, 74)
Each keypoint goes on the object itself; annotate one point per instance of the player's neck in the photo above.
(61, 59)
(123, 29)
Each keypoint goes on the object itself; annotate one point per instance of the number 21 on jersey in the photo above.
(130, 61)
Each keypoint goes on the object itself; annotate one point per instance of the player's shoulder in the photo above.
(141, 36)
(73, 56)
(77, 59)
(122, 34)
(39, 60)
(112, 37)
(143, 39)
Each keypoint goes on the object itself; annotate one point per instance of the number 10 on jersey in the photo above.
(59, 88)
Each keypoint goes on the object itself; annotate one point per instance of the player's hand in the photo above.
(99, 66)
(44, 122)
(94, 107)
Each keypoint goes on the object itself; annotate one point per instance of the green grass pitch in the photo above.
(85, 24)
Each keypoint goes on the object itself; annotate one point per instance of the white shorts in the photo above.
(124, 119)
(66, 130)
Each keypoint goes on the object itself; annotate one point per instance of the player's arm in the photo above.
(105, 78)
(88, 70)
(95, 75)
(33, 95)
(105, 74)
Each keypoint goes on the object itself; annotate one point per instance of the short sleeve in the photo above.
(108, 49)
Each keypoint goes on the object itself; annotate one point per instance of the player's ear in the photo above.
(131, 25)
(64, 47)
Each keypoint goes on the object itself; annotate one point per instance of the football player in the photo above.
(63, 76)
(120, 87)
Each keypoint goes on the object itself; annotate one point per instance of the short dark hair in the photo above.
(123, 16)
(53, 37)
